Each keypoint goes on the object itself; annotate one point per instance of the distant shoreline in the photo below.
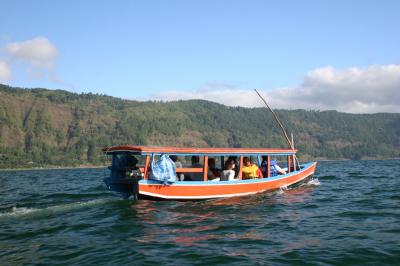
(105, 166)
(54, 168)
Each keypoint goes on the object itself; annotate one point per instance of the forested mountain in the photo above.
(40, 127)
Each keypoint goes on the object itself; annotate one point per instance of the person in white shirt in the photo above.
(228, 174)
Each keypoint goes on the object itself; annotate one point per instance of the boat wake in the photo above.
(281, 190)
(18, 211)
(313, 182)
(25, 212)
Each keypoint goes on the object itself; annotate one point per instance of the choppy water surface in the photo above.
(348, 215)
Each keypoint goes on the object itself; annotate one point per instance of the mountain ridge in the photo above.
(41, 127)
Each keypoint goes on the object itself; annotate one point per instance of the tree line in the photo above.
(40, 127)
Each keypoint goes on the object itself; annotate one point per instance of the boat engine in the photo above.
(124, 176)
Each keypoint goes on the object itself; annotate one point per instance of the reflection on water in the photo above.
(197, 223)
(194, 240)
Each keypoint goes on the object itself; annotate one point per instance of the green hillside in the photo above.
(40, 127)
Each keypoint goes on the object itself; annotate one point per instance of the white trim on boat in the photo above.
(198, 197)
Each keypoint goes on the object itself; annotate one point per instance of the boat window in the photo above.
(236, 160)
(189, 161)
(214, 168)
(141, 160)
(178, 164)
(123, 163)
(123, 160)
(254, 160)
(187, 168)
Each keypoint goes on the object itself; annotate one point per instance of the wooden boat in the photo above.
(136, 182)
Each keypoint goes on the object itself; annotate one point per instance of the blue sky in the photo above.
(204, 49)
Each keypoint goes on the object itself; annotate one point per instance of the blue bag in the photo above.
(163, 170)
(274, 171)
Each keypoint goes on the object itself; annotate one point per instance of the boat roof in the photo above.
(149, 150)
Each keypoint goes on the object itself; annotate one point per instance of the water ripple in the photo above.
(347, 215)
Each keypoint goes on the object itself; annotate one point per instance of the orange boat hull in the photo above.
(194, 190)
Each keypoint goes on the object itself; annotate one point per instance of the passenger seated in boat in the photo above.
(228, 174)
(275, 169)
(264, 166)
(250, 170)
(130, 166)
(195, 176)
(235, 161)
(178, 164)
(213, 172)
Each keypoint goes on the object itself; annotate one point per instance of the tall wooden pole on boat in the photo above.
(294, 155)
(277, 120)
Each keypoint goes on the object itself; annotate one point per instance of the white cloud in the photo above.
(354, 90)
(39, 52)
(225, 94)
(5, 72)
(35, 57)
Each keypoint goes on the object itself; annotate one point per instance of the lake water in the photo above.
(348, 215)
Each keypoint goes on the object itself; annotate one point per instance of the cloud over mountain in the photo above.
(35, 57)
(5, 72)
(355, 90)
(38, 52)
